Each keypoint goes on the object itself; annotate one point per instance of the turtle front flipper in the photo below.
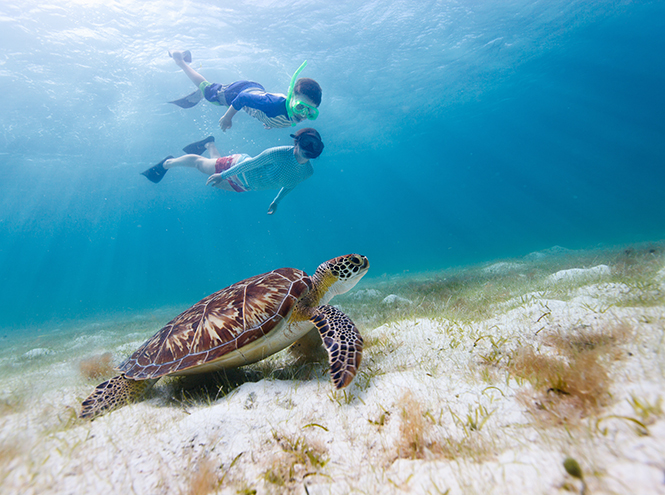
(343, 342)
(113, 394)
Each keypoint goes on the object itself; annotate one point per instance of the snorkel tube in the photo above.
(290, 93)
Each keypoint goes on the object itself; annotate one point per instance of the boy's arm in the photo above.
(272, 104)
(226, 121)
(280, 196)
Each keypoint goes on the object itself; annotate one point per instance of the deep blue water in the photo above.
(455, 132)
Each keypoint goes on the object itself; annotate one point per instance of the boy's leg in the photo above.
(195, 77)
(212, 150)
(205, 165)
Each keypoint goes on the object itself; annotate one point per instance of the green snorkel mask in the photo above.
(297, 107)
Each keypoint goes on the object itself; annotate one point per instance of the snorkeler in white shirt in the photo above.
(282, 168)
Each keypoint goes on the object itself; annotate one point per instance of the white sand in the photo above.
(436, 408)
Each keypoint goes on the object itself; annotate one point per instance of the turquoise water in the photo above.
(455, 132)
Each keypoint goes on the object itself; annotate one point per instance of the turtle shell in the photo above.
(221, 323)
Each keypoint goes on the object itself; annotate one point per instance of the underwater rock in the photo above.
(366, 294)
(395, 299)
(502, 267)
(553, 251)
(37, 352)
(578, 273)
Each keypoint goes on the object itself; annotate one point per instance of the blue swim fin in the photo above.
(190, 100)
(186, 56)
(156, 173)
(199, 147)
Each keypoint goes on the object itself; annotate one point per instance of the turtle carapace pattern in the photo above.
(244, 323)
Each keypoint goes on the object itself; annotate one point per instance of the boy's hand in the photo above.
(214, 180)
(225, 122)
(272, 209)
(227, 119)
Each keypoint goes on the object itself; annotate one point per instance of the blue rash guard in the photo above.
(269, 108)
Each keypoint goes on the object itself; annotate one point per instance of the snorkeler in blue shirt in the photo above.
(273, 109)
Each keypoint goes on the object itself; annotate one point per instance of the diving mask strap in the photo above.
(290, 93)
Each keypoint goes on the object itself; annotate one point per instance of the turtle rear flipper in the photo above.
(343, 342)
(112, 394)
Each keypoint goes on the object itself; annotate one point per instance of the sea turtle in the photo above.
(244, 323)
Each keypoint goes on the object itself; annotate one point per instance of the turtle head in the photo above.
(339, 275)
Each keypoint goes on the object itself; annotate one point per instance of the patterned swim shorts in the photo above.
(225, 163)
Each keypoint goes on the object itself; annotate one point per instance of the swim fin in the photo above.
(186, 56)
(199, 147)
(156, 173)
(190, 100)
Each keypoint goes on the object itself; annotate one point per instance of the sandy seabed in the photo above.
(480, 380)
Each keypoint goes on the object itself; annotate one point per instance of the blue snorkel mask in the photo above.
(297, 107)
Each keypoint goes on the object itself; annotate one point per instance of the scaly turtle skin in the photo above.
(242, 324)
